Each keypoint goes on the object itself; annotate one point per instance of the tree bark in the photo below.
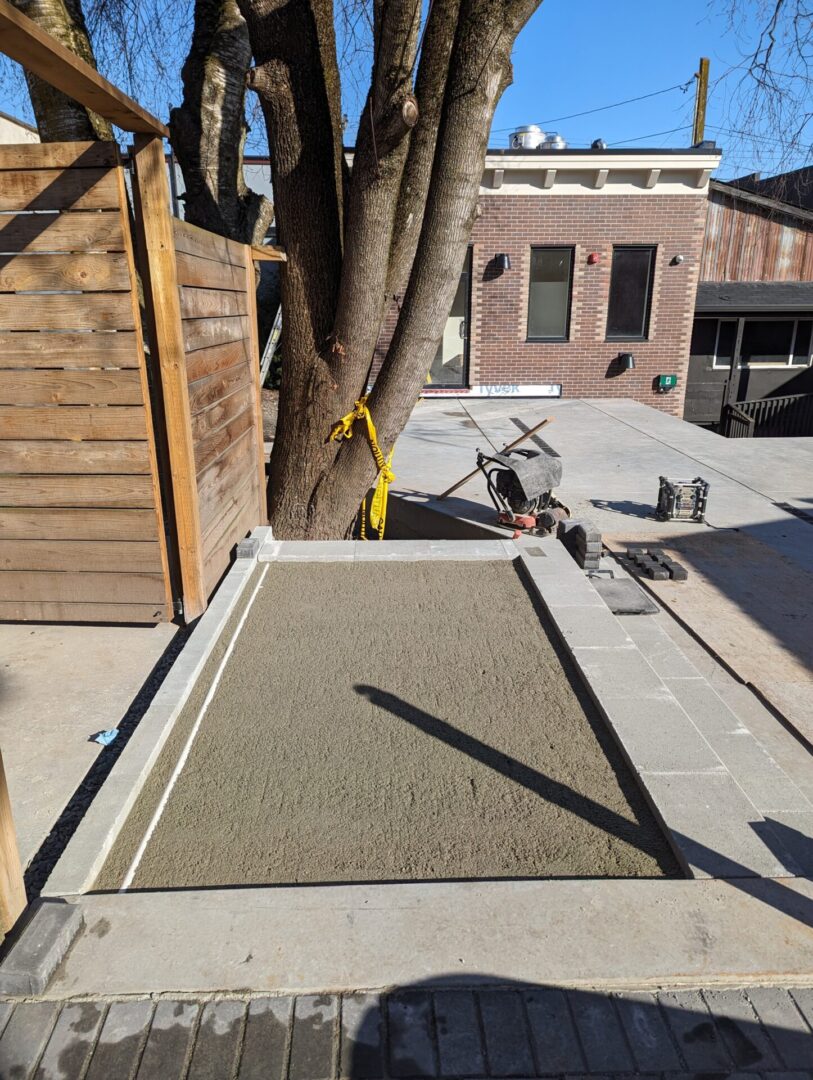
(208, 130)
(59, 118)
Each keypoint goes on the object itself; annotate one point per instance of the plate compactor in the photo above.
(521, 483)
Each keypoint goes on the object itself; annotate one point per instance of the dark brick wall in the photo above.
(499, 351)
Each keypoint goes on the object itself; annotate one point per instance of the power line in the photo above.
(651, 135)
(603, 108)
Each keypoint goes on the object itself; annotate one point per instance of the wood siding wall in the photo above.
(745, 242)
(81, 525)
(217, 297)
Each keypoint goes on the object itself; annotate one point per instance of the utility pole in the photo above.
(701, 95)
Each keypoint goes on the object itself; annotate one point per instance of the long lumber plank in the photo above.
(41, 54)
(55, 189)
(73, 422)
(58, 612)
(124, 492)
(192, 240)
(61, 232)
(214, 388)
(121, 387)
(211, 446)
(203, 362)
(207, 274)
(221, 413)
(71, 311)
(218, 555)
(60, 155)
(27, 523)
(219, 479)
(67, 456)
(68, 587)
(97, 556)
(42, 349)
(212, 303)
(203, 333)
(91, 273)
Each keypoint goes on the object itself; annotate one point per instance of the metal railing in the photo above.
(769, 417)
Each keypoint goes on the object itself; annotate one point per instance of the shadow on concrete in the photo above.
(459, 1026)
(626, 507)
(602, 817)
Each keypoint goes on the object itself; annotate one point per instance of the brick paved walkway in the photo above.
(491, 1032)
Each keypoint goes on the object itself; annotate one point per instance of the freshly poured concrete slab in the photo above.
(58, 686)
(389, 720)
(567, 933)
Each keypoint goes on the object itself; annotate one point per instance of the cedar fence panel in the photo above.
(81, 522)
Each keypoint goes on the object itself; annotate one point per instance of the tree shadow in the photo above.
(626, 507)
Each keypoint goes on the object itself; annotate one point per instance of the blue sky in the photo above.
(573, 56)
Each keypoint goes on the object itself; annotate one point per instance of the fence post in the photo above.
(254, 354)
(156, 242)
(12, 887)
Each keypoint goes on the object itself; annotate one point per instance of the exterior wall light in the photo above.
(626, 361)
(503, 262)
(676, 260)
(593, 258)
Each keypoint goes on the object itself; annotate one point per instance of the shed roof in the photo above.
(754, 296)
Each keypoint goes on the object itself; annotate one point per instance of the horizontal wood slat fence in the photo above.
(127, 475)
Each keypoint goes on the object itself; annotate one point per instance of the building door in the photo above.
(450, 368)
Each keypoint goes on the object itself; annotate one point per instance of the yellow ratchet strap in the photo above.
(378, 507)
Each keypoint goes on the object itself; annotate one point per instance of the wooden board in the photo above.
(254, 367)
(203, 362)
(98, 556)
(58, 189)
(221, 542)
(209, 391)
(69, 587)
(56, 612)
(222, 412)
(61, 232)
(28, 523)
(226, 474)
(206, 274)
(125, 492)
(55, 457)
(119, 349)
(211, 303)
(70, 388)
(204, 333)
(93, 273)
(73, 422)
(217, 442)
(40, 53)
(191, 240)
(60, 155)
(72, 311)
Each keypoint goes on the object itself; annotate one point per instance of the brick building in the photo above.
(577, 258)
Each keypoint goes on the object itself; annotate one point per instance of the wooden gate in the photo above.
(81, 525)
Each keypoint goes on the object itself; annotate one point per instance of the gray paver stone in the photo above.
(313, 1040)
(167, 1049)
(362, 1048)
(506, 1033)
(556, 1046)
(118, 1047)
(658, 736)
(39, 950)
(784, 1024)
(24, 1038)
(739, 1027)
(600, 1032)
(647, 1033)
(265, 1041)
(460, 1045)
(218, 1040)
(412, 1049)
(694, 1032)
(804, 1003)
(71, 1041)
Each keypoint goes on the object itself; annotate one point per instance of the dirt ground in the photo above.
(387, 722)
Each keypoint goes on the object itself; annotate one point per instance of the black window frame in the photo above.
(647, 320)
(571, 248)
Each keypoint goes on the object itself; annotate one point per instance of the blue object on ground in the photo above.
(105, 738)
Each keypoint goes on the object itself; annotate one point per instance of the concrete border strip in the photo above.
(181, 762)
(90, 845)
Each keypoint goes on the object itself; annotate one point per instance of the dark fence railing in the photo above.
(769, 417)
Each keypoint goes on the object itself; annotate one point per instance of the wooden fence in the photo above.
(765, 418)
(81, 524)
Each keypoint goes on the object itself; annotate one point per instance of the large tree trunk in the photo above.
(60, 118)
(208, 130)
(410, 212)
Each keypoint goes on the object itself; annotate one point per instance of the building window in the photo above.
(763, 342)
(549, 293)
(630, 293)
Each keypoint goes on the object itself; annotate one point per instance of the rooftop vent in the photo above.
(530, 137)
